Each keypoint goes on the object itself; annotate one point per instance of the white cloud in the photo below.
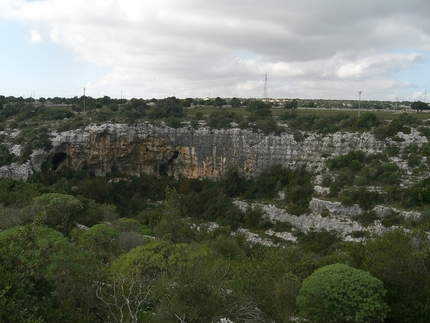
(419, 96)
(35, 36)
(190, 47)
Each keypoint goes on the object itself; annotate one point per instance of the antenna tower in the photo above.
(265, 87)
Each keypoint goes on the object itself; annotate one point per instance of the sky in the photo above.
(309, 49)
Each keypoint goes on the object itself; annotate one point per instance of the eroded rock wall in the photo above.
(145, 148)
(203, 152)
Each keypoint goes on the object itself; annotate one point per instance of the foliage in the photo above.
(45, 278)
(235, 103)
(318, 241)
(400, 260)
(157, 257)
(366, 218)
(339, 293)
(259, 109)
(321, 124)
(11, 216)
(169, 107)
(366, 121)
(226, 246)
(292, 104)
(419, 106)
(218, 102)
(162, 244)
(268, 125)
(202, 293)
(13, 192)
(222, 119)
(127, 225)
(367, 199)
(233, 182)
(171, 227)
(102, 240)
(353, 160)
(265, 277)
(58, 211)
(126, 298)
(5, 156)
(392, 128)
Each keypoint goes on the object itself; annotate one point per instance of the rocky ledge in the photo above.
(196, 153)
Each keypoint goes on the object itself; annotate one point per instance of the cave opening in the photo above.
(163, 170)
(174, 156)
(58, 160)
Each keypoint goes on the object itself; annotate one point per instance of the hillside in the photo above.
(215, 217)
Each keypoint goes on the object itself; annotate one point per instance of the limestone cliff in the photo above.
(161, 150)
(204, 152)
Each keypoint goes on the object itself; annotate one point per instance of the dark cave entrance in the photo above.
(165, 169)
(58, 160)
(174, 156)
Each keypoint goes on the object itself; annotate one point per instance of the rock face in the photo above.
(161, 150)
(338, 221)
(149, 149)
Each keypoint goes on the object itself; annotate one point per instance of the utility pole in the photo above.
(359, 102)
(84, 100)
(265, 87)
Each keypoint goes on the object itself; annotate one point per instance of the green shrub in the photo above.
(393, 151)
(339, 293)
(391, 219)
(318, 241)
(366, 218)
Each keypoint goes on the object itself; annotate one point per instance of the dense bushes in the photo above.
(222, 119)
(324, 125)
(188, 268)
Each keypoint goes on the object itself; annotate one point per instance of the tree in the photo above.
(167, 107)
(293, 104)
(58, 211)
(265, 277)
(202, 293)
(221, 119)
(339, 293)
(235, 103)
(259, 109)
(102, 240)
(367, 121)
(419, 106)
(171, 227)
(156, 257)
(45, 277)
(126, 298)
(400, 259)
(186, 103)
(218, 102)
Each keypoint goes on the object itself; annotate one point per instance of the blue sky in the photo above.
(190, 48)
(41, 69)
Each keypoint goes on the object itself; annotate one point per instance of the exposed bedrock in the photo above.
(203, 152)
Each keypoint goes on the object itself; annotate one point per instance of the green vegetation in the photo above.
(165, 262)
(338, 293)
(80, 248)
